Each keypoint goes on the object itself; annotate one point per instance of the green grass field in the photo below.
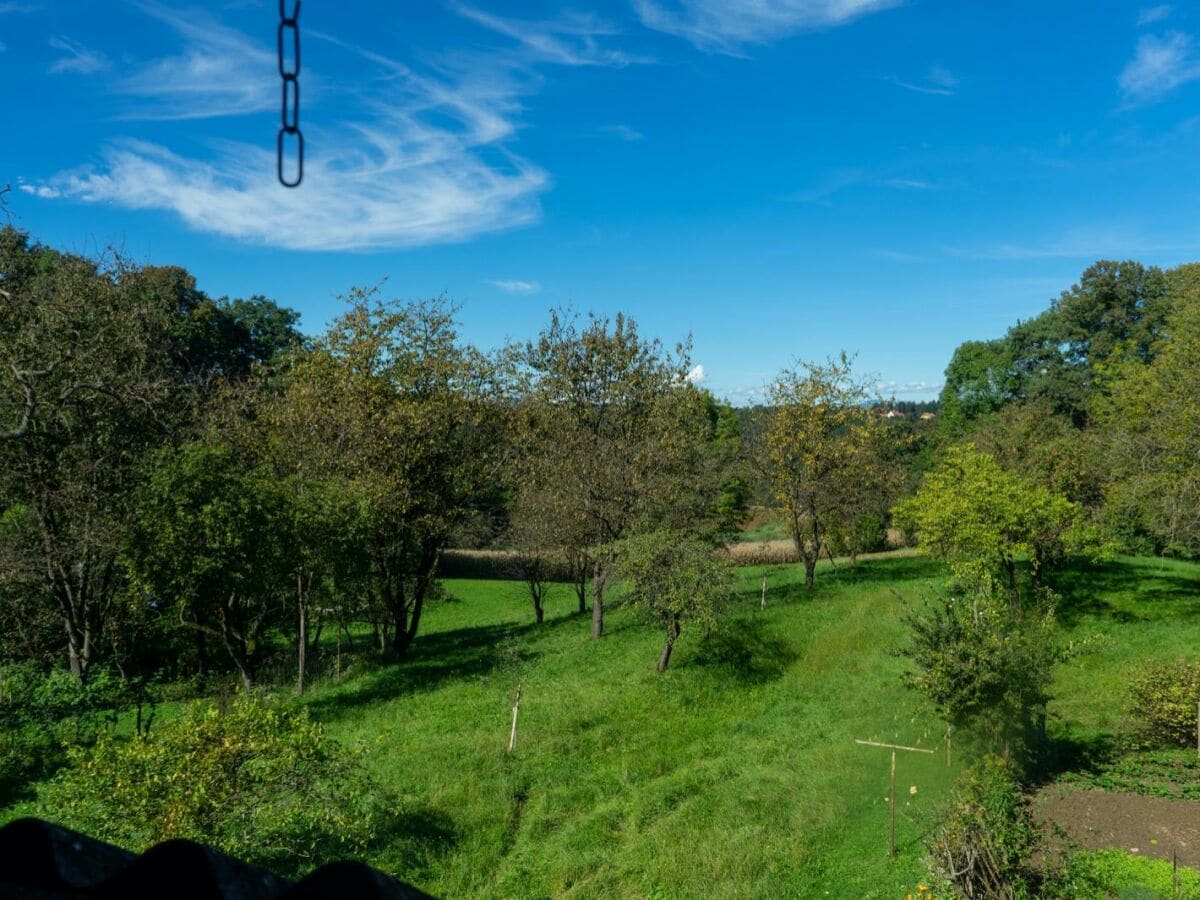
(734, 774)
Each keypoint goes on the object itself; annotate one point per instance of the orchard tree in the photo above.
(980, 518)
(100, 362)
(618, 439)
(821, 443)
(208, 546)
(391, 400)
(675, 579)
(1150, 429)
(85, 388)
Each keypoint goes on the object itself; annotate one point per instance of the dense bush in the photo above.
(261, 783)
(1164, 700)
(985, 842)
(981, 666)
(44, 713)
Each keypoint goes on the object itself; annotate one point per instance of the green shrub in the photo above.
(1164, 701)
(44, 713)
(983, 845)
(984, 668)
(259, 782)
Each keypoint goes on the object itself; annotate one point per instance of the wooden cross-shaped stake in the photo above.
(892, 793)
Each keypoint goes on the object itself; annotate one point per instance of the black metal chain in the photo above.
(289, 114)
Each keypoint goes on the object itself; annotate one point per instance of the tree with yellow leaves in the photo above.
(824, 439)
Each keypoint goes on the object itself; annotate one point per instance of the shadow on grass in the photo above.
(1063, 752)
(432, 659)
(872, 571)
(1089, 589)
(743, 649)
(436, 658)
(868, 573)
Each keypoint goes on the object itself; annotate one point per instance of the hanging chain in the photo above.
(289, 113)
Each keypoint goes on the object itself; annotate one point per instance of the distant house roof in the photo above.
(928, 415)
(894, 414)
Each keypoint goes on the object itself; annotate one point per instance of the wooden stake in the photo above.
(764, 590)
(892, 787)
(512, 738)
(947, 746)
(892, 813)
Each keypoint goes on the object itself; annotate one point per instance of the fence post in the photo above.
(512, 737)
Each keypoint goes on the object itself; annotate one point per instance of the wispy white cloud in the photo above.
(696, 375)
(1151, 14)
(908, 184)
(571, 39)
(841, 180)
(1090, 242)
(415, 156)
(516, 287)
(360, 195)
(726, 26)
(219, 72)
(41, 190)
(939, 81)
(1159, 66)
(899, 256)
(624, 132)
(79, 60)
(908, 388)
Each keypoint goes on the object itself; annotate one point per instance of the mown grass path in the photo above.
(734, 774)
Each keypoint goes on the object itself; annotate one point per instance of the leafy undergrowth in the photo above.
(1157, 773)
(1103, 874)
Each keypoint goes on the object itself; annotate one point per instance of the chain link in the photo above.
(289, 113)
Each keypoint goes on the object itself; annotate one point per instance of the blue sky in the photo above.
(780, 179)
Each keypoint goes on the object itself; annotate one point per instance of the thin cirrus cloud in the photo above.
(515, 286)
(78, 59)
(624, 132)
(726, 26)
(418, 157)
(939, 81)
(571, 39)
(1160, 65)
(1152, 14)
(218, 72)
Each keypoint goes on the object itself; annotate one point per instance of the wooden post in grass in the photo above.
(764, 589)
(892, 789)
(947, 745)
(512, 737)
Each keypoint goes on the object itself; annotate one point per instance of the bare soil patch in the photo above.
(1150, 826)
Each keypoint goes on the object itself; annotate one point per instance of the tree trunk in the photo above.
(302, 648)
(672, 636)
(599, 581)
(539, 611)
(810, 560)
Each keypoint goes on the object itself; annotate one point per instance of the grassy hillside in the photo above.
(734, 774)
